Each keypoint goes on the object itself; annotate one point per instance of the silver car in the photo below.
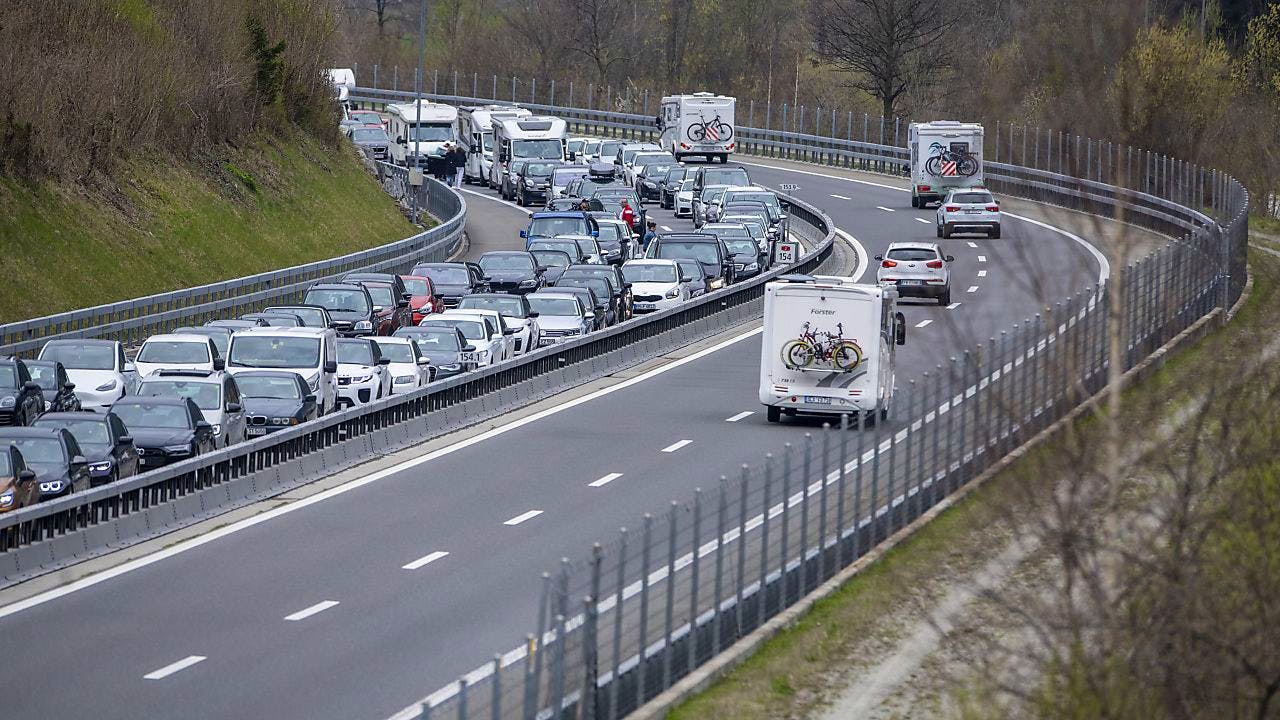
(684, 199)
(917, 270)
(702, 203)
(969, 210)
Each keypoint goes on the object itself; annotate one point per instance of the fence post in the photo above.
(762, 602)
(857, 487)
(590, 616)
(878, 424)
(533, 91)
(375, 75)
(435, 81)
(843, 485)
(531, 691)
(557, 696)
(455, 83)
(692, 656)
(495, 698)
(910, 506)
(475, 84)
(570, 93)
(897, 121)
(962, 472)
(805, 481)
(616, 681)
(493, 94)
(742, 546)
(553, 93)
(462, 698)
(822, 503)
(667, 651)
(645, 547)
(997, 134)
(786, 522)
(721, 513)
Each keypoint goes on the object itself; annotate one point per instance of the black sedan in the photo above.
(21, 399)
(512, 271)
(59, 391)
(274, 400)
(453, 280)
(165, 429)
(443, 345)
(104, 440)
(55, 457)
(619, 288)
(603, 291)
(350, 307)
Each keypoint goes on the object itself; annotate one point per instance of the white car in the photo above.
(409, 368)
(630, 169)
(515, 312)
(655, 284)
(177, 352)
(505, 334)
(684, 199)
(363, 376)
(98, 369)
(968, 210)
(215, 393)
(917, 269)
(480, 332)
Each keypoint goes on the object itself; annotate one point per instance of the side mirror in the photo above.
(542, 268)
(69, 386)
(130, 367)
(30, 385)
(524, 234)
(203, 425)
(378, 308)
(879, 257)
(401, 141)
(487, 278)
(334, 325)
(626, 285)
(509, 331)
(950, 258)
(590, 316)
(685, 279)
(468, 348)
(406, 295)
(900, 328)
(126, 439)
(475, 148)
(533, 314)
(309, 398)
(78, 461)
(424, 361)
(26, 476)
(219, 364)
(234, 407)
(402, 304)
(384, 361)
(331, 367)
(595, 233)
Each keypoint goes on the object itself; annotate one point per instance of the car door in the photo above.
(126, 454)
(236, 422)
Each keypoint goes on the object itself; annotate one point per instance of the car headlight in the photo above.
(452, 367)
(404, 379)
(357, 379)
(51, 486)
(178, 449)
(284, 421)
(6, 499)
(528, 283)
(717, 283)
(47, 405)
(363, 325)
(528, 184)
(217, 428)
(107, 386)
(313, 382)
(573, 331)
(673, 293)
(752, 266)
(100, 467)
(7, 402)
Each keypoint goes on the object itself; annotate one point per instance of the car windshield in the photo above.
(310, 317)
(742, 247)
(690, 268)
(609, 148)
(266, 386)
(539, 149)
(568, 247)
(81, 357)
(710, 195)
(471, 329)
(444, 275)
(6, 469)
(92, 432)
(174, 351)
(46, 376)
(506, 263)
(338, 299)
(142, 415)
(437, 340)
(972, 198)
(686, 185)
(553, 226)
(724, 176)
(369, 135)
(355, 353)
(552, 258)
(221, 337)
(274, 352)
(431, 133)
(649, 273)
(599, 286)
(562, 176)
(416, 286)
(703, 252)
(541, 170)
(397, 352)
(676, 173)
(610, 233)
(511, 307)
(206, 395)
(39, 451)
(753, 225)
(554, 305)
(731, 231)
(9, 376)
(587, 245)
(767, 198)
(381, 295)
(486, 140)
(912, 254)
(368, 118)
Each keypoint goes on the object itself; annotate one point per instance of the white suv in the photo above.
(969, 210)
(917, 269)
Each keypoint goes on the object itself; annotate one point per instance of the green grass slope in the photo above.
(163, 225)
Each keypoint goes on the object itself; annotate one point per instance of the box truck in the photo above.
(945, 154)
(828, 347)
(698, 124)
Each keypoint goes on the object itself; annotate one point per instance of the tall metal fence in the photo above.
(639, 611)
(131, 321)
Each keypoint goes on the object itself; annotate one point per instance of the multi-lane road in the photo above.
(359, 603)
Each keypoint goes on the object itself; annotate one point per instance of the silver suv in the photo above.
(917, 270)
(969, 210)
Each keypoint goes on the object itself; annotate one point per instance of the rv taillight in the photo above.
(889, 263)
(993, 208)
(934, 264)
(922, 188)
(953, 208)
(730, 146)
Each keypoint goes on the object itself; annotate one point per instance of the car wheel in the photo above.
(945, 298)
(994, 234)
(915, 201)
(774, 414)
(939, 229)
(946, 232)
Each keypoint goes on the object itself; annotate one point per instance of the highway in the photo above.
(357, 605)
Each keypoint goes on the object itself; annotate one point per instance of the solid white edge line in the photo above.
(860, 250)
(496, 199)
(222, 532)
(605, 480)
(168, 670)
(676, 446)
(305, 613)
(523, 517)
(425, 560)
(740, 416)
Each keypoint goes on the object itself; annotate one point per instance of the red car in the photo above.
(393, 313)
(424, 301)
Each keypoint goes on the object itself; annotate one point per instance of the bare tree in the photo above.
(889, 45)
(540, 26)
(600, 33)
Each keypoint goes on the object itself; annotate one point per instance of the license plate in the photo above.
(152, 460)
(910, 282)
(256, 431)
(708, 147)
(645, 306)
(817, 400)
(972, 212)
(546, 341)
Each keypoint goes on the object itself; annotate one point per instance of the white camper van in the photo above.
(828, 346)
(698, 124)
(475, 129)
(419, 130)
(945, 154)
(344, 81)
(535, 137)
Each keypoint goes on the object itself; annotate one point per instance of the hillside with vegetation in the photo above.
(148, 145)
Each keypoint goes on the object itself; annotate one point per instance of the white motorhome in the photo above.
(698, 124)
(344, 81)
(535, 137)
(419, 130)
(945, 154)
(475, 129)
(828, 346)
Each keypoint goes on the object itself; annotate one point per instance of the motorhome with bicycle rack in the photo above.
(945, 154)
(828, 347)
(698, 124)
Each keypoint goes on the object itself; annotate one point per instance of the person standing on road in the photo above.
(650, 234)
(628, 215)
(458, 163)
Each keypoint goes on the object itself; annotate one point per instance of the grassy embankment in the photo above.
(272, 202)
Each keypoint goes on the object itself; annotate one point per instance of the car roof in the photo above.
(354, 340)
(492, 295)
(688, 237)
(206, 376)
(306, 331)
(29, 431)
(554, 293)
(76, 415)
(151, 400)
(82, 341)
(650, 261)
(263, 372)
(390, 339)
(336, 286)
(294, 307)
(509, 252)
(179, 337)
(557, 214)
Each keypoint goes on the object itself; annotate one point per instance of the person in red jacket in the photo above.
(628, 215)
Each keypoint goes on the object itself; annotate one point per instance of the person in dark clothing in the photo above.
(650, 233)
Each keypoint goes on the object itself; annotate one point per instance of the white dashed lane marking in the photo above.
(923, 323)
(972, 289)
(953, 306)
(675, 446)
(982, 258)
(840, 197)
(972, 244)
(425, 560)
(922, 220)
(605, 480)
(666, 228)
(522, 517)
(739, 416)
(168, 670)
(982, 273)
(308, 612)
(881, 207)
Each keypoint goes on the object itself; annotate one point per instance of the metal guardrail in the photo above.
(131, 321)
(636, 614)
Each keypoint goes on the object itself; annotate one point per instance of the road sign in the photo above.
(788, 187)
(787, 252)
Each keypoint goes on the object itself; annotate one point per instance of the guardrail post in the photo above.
(435, 81)
(616, 682)
(375, 75)
(475, 84)
(667, 650)
(897, 122)
(513, 89)
(493, 94)
(455, 83)
(553, 93)
(533, 90)
(691, 658)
